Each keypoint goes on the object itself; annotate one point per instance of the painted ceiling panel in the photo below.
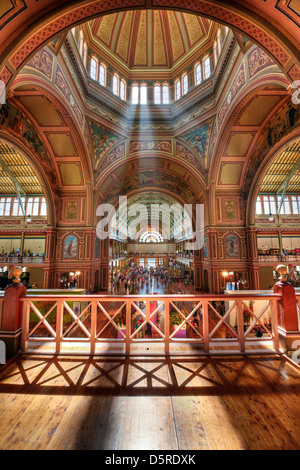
(152, 38)
(42, 110)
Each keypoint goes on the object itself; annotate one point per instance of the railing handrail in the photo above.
(208, 297)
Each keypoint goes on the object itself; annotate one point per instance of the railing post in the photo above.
(25, 326)
(93, 326)
(240, 324)
(206, 326)
(59, 325)
(128, 327)
(167, 327)
(275, 330)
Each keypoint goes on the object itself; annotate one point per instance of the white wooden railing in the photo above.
(203, 324)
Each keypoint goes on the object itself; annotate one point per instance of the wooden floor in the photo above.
(149, 403)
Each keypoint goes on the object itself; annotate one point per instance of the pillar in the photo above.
(104, 264)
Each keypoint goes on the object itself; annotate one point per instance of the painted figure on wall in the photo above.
(232, 247)
(70, 247)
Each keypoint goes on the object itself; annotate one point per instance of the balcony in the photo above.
(22, 260)
(273, 256)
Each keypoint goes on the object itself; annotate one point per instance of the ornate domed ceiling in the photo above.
(150, 39)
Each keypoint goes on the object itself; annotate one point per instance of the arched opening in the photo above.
(26, 215)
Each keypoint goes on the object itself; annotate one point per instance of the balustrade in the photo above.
(223, 324)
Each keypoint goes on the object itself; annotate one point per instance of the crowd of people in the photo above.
(132, 280)
(16, 254)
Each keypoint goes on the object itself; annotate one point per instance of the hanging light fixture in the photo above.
(271, 218)
(28, 218)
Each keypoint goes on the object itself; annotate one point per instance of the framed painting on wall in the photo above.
(232, 247)
(70, 247)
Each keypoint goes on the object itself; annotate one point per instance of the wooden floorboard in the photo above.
(207, 403)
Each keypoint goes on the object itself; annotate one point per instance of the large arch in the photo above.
(271, 157)
(39, 171)
(27, 28)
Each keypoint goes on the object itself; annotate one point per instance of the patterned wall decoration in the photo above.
(114, 155)
(103, 140)
(43, 62)
(5, 75)
(232, 247)
(237, 85)
(198, 139)
(183, 152)
(72, 210)
(150, 145)
(257, 61)
(63, 86)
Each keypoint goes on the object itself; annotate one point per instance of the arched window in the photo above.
(123, 90)
(185, 84)
(81, 41)
(207, 68)
(135, 94)
(43, 210)
(166, 94)
(177, 89)
(219, 42)
(198, 74)
(102, 75)
(93, 68)
(157, 94)
(143, 92)
(85, 54)
(258, 207)
(116, 81)
(215, 53)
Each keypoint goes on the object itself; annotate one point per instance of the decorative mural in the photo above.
(17, 124)
(184, 153)
(232, 247)
(103, 140)
(64, 87)
(237, 85)
(257, 61)
(43, 62)
(280, 125)
(198, 139)
(151, 178)
(150, 145)
(113, 155)
(70, 247)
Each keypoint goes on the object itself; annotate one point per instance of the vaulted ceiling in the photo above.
(15, 171)
(284, 172)
(149, 39)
